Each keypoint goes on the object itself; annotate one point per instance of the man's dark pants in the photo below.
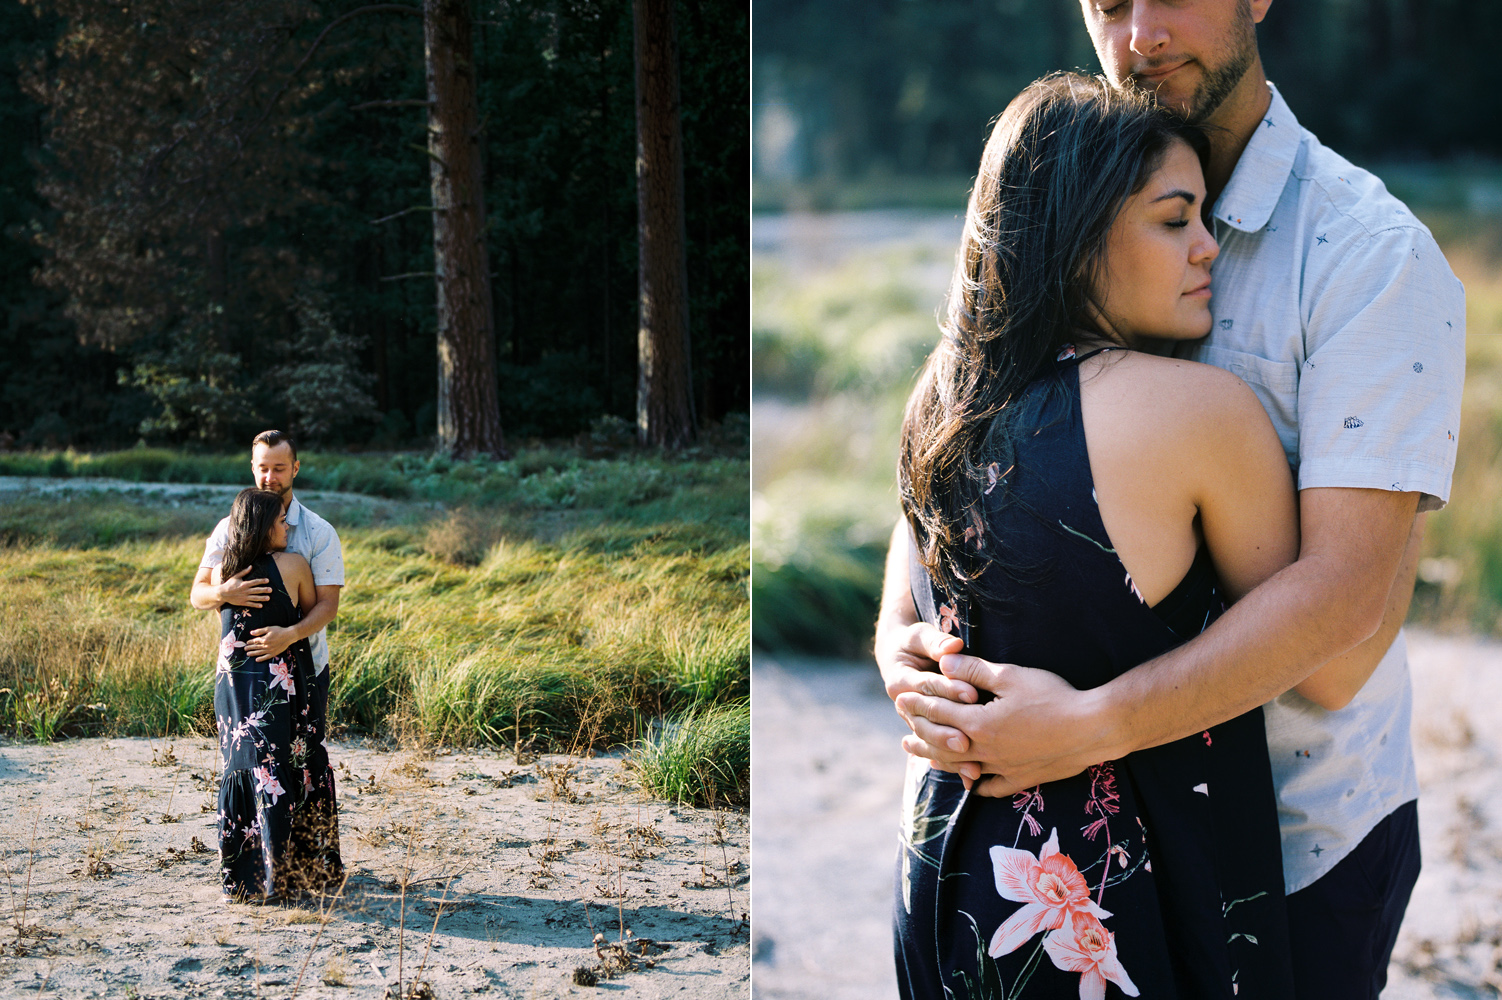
(1343, 927)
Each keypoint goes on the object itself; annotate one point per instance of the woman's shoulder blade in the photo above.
(290, 562)
(1174, 393)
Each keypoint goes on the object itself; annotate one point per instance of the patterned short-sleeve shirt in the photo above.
(1333, 302)
(311, 537)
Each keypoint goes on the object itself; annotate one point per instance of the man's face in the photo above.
(1192, 53)
(274, 468)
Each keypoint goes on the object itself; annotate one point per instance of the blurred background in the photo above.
(868, 121)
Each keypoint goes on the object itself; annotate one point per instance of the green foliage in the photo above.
(204, 219)
(702, 757)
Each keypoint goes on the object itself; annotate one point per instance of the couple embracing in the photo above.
(1160, 535)
(273, 570)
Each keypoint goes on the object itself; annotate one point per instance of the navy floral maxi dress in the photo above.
(278, 821)
(1158, 875)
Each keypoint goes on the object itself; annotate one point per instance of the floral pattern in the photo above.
(1050, 888)
(1052, 894)
(278, 822)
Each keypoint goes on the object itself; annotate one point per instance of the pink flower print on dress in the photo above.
(1133, 585)
(1087, 947)
(949, 619)
(281, 675)
(1051, 887)
(227, 647)
(1066, 353)
(268, 784)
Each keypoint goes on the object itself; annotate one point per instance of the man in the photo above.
(1338, 309)
(274, 467)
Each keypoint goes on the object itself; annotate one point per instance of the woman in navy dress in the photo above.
(278, 822)
(1077, 504)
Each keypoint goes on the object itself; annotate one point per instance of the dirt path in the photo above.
(108, 848)
(826, 780)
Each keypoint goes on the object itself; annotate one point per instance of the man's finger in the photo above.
(946, 738)
(944, 760)
(973, 670)
(929, 641)
(998, 786)
(260, 631)
(941, 711)
(938, 686)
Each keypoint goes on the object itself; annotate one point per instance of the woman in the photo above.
(1080, 506)
(278, 824)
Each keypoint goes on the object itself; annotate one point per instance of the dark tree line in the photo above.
(848, 88)
(216, 223)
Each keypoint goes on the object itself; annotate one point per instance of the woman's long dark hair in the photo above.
(250, 522)
(1061, 160)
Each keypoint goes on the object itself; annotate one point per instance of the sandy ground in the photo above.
(470, 872)
(827, 776)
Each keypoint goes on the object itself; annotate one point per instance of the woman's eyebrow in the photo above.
(1188, 196)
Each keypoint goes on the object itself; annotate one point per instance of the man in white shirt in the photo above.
(274, 466)
(1334, 303)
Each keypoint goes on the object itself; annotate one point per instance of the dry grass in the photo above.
(563, 630)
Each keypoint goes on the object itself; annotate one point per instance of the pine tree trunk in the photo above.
(469, 420)
(664, 396)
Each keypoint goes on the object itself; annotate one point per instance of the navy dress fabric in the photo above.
(278, 821)
(1157, 875)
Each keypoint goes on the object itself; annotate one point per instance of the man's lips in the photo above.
(1157, 74)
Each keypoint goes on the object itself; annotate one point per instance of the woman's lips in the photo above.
(1202, 292)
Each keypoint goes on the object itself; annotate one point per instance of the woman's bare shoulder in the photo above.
(1187, 394)
(291, 562)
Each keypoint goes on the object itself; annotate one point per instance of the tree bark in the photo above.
(469, 420)
(664, 396)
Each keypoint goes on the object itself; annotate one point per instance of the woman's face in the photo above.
(279, 532)
(1156, 274)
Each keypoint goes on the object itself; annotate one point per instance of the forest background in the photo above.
(192, 300)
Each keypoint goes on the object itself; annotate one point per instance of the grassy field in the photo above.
(836, 347)
(557, 601)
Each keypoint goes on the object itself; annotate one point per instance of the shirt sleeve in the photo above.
(213, 549)
(1379, 392)
(327, 558)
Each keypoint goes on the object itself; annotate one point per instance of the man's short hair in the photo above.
(273, 438)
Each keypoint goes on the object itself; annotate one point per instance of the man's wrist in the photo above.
(1106, 720)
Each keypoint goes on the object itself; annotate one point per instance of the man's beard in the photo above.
(1219, 83)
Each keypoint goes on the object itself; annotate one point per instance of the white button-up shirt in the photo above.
(311, 537)
(1336, 306)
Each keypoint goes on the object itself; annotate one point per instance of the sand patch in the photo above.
(470, 872)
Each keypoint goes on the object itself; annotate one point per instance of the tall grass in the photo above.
(555, 627)
(701, 756)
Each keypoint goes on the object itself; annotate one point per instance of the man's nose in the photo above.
(1149, 33)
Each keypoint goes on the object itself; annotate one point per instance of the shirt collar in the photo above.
(294, 511)
(1257, 183)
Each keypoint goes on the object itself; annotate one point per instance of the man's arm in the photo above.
(207, 595)
(272, 640)
(1330, 600)
(1332, 686)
